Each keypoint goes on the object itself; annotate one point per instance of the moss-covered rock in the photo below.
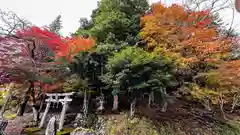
(65, 131)
(9, 115)
(83, 131)
(123, 125)
(32, 130)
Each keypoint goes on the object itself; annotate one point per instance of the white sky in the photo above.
(43, 12)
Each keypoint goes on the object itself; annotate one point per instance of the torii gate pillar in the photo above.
(65, 102)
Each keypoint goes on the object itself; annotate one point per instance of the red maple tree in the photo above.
(188, 35)
(41, 36)
(46, 42)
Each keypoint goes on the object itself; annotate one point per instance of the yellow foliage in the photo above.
(204, 93)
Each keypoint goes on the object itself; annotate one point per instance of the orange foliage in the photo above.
(189, 34)
(73, 46)
(229, 74)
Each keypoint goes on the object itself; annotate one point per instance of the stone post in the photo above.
(100, 104)
(44, 114)
(65, 103)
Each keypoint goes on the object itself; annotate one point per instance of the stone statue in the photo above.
(51, 127)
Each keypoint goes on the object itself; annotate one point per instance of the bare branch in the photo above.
(212, 5)
(10, 23)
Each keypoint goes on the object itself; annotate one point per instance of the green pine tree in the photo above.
(56, 25)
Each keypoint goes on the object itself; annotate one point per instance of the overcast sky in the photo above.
(43, 12)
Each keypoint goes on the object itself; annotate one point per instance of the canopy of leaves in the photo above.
(46, 42)
(190, 36)
(85, 26)
(41, 37)
(194, 40)
(223, 82)
(25, 57)
(74, 83)
(226, 77)
(117, 20)
(74, 45)
(89, 66)
(203, 95)
(135, 70)
(15, 62)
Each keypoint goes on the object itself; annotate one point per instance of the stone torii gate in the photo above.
(54, 98)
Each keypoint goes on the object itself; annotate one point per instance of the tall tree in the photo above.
(88, 66)
(134, 71)
(117, 21)
(226, 82)
(187, 35)
(42, 52)
(18, 63)
(85, 25)
(47, 42)
(195, 41)
(56, 25)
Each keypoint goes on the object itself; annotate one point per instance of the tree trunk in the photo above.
(9, 89)
(35, 112)
(85, 104)
(221, 102)
(41, 106)
(115, 103)
(23, 105)
(206, 104)
(44, 115)
(235, 101)
(25, 100)
(132, 107)
(164, 108)
(62, 117)
(150, 98)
